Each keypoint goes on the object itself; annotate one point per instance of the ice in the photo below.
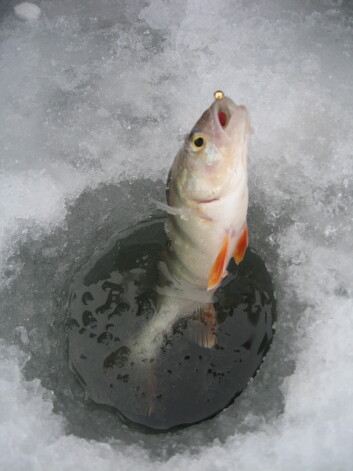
(100, 92)
(27, 11)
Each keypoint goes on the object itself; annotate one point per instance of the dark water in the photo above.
(111, 300)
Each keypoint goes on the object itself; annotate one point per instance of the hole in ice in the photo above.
(34, 301)
(182, 383)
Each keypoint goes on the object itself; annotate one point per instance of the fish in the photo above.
(207, 203)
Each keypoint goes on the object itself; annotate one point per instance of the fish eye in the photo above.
(198, 142)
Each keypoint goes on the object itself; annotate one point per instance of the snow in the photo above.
(98, 93)
(27, 11)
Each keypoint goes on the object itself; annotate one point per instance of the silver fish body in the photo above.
(207, 196)
(209, 187)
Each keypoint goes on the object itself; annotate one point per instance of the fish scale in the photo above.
(207, 196)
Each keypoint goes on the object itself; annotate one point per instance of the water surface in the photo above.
(113, 296)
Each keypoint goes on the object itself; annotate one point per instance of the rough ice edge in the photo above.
(33, 434)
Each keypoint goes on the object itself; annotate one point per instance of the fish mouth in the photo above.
(227, 119)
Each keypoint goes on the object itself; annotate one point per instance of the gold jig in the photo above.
(218, 95)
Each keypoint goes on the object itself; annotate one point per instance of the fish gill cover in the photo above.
(95, 93)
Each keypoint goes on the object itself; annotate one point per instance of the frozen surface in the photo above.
(98, 92)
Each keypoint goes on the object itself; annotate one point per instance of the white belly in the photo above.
(195, 246)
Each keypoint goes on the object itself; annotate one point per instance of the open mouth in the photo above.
(222, 118)
(230, 118)
(222, 114)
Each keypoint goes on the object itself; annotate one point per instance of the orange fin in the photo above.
(242, 245)
(219, 266)
(201, 328)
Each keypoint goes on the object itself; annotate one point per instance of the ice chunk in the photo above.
(27, 11)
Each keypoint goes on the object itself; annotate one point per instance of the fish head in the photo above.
(215, 151)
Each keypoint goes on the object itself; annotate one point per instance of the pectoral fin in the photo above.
(242, 245)
(219, 266)
(201, 328)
